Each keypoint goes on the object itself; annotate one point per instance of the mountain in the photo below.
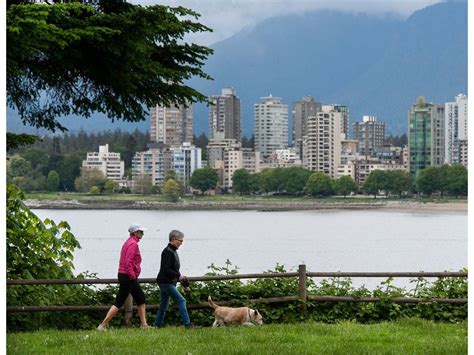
(376, 65)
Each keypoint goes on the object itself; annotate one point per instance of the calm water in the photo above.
(257, 241)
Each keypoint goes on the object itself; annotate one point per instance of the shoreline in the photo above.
(458, 207)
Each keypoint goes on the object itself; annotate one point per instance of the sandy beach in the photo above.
(262, 205)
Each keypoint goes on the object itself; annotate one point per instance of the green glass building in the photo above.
(425, 136)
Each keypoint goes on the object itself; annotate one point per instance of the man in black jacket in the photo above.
(167, 279)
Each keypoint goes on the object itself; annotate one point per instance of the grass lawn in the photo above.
(408, 336)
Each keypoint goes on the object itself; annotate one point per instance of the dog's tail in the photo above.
(211, 303)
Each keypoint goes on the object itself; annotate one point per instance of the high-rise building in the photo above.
(302, 109)
(224, 115)
(171, 126)
(271, 125)
(343, 111)
(107, 162)
(186, 159)
(456, 130)
(425, 136)
(370, 133)
(322, 146)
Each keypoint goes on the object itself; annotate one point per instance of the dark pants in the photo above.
(127, 287)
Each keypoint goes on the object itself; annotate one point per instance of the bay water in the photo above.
(324, 240)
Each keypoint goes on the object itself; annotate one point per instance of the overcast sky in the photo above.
(227, 17)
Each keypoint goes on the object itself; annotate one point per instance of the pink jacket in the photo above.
(130, 258)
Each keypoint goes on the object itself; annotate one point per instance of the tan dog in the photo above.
(239, 316)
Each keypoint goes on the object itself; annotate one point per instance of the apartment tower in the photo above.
(456, 130)
(425, 136)
(171, 126)
(271, 125)
(224, 115)
(302, 109)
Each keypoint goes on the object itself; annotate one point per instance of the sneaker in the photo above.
(101, 328)
(192, 326)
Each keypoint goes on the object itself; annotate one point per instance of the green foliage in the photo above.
(345, 185)
(295, 180)
(142, 184)
(240, 292)
(319, 184)
(36, 249)
(18, 166)
(172, 190)
(457, 180)
(203, 179)
(241, 182)
(74, 58)
(53, 181)
(90, 178)
(375, 182)
(430, 180)
(110, 186)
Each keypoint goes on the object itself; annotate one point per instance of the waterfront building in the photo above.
(425, 136)
(271, 125)
(456, 131)
(108, 163)
(302, 109)
(322, 146)
(154, 163)
(224, 115)
(171, 126)
(185, 160)
(371, 135)
(359, 168)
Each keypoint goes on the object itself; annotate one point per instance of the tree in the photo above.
(295, 180)
(241, 182)
(111, 186)
(89, 178)
(319, 184)
(345, 185)
(69, 169)
(430, 180)
(142, 184)
(375, 182)
(457, 180)
(36, 249)
(72, 58)
(18, 166)
(203, 179)
(172, 190)
(400, 181)
(53, 181)
(37, 157)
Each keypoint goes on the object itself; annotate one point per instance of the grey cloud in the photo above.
(227, 17)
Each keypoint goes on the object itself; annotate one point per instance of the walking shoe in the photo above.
(192, 326)
(101, 328)
(145, 326)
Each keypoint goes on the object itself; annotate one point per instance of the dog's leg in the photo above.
(248, 324)
(215, 324)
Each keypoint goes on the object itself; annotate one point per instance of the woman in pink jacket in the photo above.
(129, 269)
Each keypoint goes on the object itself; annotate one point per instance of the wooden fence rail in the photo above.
(302, 296)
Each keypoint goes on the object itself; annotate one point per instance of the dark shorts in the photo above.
(127, 287)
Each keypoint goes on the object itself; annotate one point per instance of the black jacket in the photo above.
(169, 269)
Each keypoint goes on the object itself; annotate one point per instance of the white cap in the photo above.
(136, 227)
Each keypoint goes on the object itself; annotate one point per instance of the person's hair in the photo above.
(176, 234)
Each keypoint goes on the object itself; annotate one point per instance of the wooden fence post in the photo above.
(128, 311)
(302, 287)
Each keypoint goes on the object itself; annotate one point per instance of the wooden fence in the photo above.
(302, 296)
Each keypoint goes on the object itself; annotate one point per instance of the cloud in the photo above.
(227, 17)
